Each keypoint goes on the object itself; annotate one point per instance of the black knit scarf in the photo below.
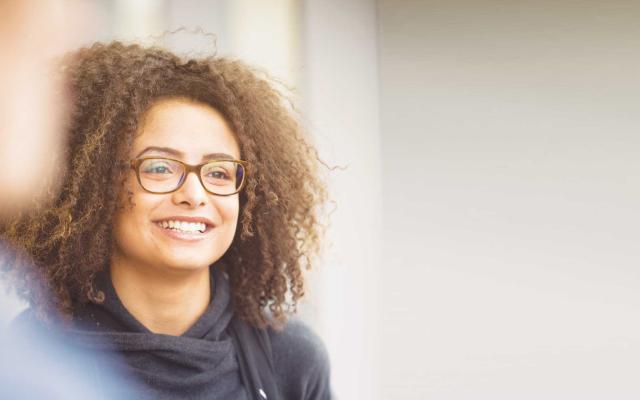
(199, 364)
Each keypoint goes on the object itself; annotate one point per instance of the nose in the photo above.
(191, 193)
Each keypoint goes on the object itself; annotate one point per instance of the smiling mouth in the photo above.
(184, 226)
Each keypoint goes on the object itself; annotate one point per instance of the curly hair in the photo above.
(68, 241)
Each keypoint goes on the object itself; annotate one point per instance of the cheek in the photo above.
(125, 224)
(229, 213)
(229, 210)
(133, 216)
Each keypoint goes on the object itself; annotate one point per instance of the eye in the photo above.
(219, 174)
(157, 167)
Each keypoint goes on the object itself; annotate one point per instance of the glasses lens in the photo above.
(222, 177)
(160, 175)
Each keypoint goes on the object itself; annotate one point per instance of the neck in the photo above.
(168, 303)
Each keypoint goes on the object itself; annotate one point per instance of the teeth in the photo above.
(183, 226)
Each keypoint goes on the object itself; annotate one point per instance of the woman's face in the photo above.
(190, 132)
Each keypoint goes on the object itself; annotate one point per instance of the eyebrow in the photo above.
(179, 154)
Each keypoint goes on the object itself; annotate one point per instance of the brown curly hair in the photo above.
(112, 86)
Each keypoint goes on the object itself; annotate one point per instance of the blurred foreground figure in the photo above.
(35, 365)
(31, 110)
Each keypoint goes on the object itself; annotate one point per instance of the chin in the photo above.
(188, 263)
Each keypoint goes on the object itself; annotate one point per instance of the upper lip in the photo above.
(204, 220)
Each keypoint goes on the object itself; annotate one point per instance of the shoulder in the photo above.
(26, 322)
(296, 342)
(25, 318)
(40, 335)
(301, 362)
(40, 353)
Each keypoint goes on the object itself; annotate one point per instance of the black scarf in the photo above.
(200, 364)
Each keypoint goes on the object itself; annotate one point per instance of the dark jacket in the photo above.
(205, 363)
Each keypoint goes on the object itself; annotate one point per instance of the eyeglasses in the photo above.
(165, 175)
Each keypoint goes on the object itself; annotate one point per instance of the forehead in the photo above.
(191, 128)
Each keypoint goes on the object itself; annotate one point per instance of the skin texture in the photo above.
(112, 87)
(162, 280)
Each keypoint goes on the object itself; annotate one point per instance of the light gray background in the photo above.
(510, 199)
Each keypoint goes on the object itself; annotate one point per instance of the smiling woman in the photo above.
(187, 211)
(172, 235)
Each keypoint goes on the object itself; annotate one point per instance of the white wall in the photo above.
(511, 192)
(340, 97)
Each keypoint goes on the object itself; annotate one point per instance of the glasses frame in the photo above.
(189, 168)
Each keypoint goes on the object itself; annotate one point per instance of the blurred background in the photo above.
(485, 238)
